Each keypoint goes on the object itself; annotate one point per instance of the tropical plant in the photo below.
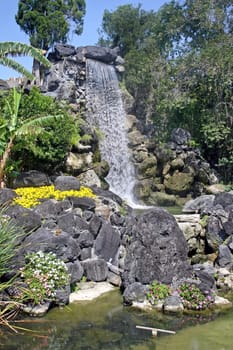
(49, 150)
(12, 127)
(19, 49)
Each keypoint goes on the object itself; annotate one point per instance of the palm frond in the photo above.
(8, 62)
(19, 49)
(34, 126)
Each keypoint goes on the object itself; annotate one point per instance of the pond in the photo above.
(106, 324)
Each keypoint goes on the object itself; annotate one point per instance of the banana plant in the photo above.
(13, 127)
(11, 48)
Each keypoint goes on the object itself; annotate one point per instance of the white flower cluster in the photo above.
(44, 273)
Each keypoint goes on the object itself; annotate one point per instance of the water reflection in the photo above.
(105, 324)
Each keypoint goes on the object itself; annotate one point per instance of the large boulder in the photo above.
(157, 249)
(98, 53)
(179, 183)
(66, 183)
(31, 178)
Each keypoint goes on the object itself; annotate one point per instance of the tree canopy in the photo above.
(50, 21)
(179, 69)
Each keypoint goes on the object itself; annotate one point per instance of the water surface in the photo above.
(106, 324)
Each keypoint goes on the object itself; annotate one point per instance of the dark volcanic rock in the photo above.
(84, 203)
(98, 53)
(66, 183)
(107, 243)
(6, 196)
(224, 199)
(95, 269)
(157, 249)
(24, 218)
(180, 136)
(134, 292)
(60, 243)
(32, 178)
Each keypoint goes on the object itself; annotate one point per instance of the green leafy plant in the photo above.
(44, 273)
(158, 291)
(193, 298)
(8, 234)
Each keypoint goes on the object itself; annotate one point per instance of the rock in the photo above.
(157, 249)
(84, 203)
(90, 291)
(222, 302)
(179, 183)
(98, 53)
(90, 178)
(134, 292)
(75, 269)
(95, 225)
(177, 164)
(95, 269)
(224, 258)
(6, 196)
(180, 136)
(85, 239)
(197, 205)
(64, 50)
(32, 178)
(47, 209)
(107, 243)
(60, 243)
(224, 199)
(62, 296)
(215, 233)
(24, 218)
(114, 279)
(37, 310)
(173, 304)
(66, 183)
(72, 224)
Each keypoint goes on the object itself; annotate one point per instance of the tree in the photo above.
(18, 49)
(179, 69)
(12, 127)
(127, 27)
(49, 21)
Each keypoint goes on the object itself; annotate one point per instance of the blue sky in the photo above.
(10, 31)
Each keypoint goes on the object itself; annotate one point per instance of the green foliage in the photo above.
(14, 127)
(49, 21)
(157, 291)
(204, 221)
(41, 148)
(44, 273)
(8, 235)
(18, 49)
(179, 70)
(193, 298)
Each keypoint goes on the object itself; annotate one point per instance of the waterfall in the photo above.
(106, 112)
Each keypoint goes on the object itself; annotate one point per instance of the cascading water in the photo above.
(106, 111)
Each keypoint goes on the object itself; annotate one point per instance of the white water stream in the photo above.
(106, 112)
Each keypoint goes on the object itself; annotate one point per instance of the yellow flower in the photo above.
(29, 197)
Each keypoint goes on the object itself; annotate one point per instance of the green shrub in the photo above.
(157, 291)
